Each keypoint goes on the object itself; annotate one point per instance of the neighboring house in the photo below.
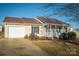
(77, 32)
(41, 26)
(0, 28)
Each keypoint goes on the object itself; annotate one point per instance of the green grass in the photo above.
(54, 48)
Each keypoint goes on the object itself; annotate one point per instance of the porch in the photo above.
(54, 30)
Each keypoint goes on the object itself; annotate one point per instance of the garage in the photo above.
(16, 32)
(18, 27)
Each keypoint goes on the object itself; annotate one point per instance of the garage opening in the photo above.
(16, 32)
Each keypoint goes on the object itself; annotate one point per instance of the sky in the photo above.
(29, 10)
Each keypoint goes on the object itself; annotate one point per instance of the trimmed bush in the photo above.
(72, 35)
(33, 36)
(68, 36)
(63, 36)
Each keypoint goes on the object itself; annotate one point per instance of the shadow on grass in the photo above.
(73, 42)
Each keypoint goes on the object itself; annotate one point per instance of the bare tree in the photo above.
(66, 9)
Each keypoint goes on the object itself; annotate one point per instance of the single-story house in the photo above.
(41, 26)
(0, 28)
(77, 32)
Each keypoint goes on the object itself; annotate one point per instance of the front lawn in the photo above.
(56, 47)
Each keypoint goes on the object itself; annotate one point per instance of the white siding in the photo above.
(22, 30)
(77, 32)
(41, 31)
(0, 28)
(6, 31)
(17, 31)
(28, 30)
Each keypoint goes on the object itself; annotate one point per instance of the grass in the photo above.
(51, 47)
(57, 48)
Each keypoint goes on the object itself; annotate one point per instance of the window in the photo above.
(35, 29)
(52, 26)
(65, 28)
(47, 27)
(58, 28)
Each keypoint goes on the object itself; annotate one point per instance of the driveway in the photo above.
(19, 47)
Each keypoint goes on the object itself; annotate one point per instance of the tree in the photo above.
(66, 9)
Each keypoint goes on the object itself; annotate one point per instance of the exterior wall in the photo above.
(53, 32)
(0, 28)
(10, 31)
(41, 31)
(6, 31)
(77, 32)
(27, 30)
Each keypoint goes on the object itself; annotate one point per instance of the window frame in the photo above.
(35, 29)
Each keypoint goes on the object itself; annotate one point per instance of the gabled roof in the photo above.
(20, 20)
(38, 20)
(50, 20)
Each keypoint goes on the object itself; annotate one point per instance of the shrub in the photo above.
(63, 36)
(71, 35)
(26, 36)
(45, 38)
(68, 36)
(32, 36)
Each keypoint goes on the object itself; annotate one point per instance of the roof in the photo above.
(44, 20)
(20, 20)
(50, 20)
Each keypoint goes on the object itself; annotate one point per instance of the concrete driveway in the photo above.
(19, 47)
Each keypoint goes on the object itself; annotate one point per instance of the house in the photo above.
(41, 26)
(76, 31)
(0, 28)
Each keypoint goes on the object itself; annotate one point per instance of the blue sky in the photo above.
(28, 10)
